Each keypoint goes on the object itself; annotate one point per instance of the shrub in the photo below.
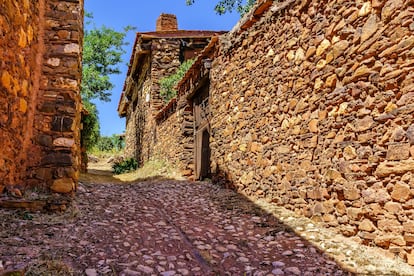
(105, 143)
(167, 90)
(112, 143)
(124, 166)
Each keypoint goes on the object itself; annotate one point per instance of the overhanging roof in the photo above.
(148, 37)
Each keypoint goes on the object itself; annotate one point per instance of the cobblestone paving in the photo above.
(161, 228)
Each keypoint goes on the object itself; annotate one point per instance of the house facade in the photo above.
(155, 55)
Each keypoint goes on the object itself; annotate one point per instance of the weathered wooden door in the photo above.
(202, 133)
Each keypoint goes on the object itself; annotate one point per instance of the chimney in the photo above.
(167, 22)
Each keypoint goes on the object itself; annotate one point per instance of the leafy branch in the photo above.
(225, 6)
(167, 84)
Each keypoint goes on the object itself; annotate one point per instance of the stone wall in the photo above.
(165, 59)
(312, 108)
(146, 101)
(168, 147)
(41, 75)
(175, 136)
(19, 48)
(175, 122)
(131, 139)
(137, 125)
(156, 55)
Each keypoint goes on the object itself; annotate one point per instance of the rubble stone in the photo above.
(335, 93)
(401, 192)
(64, 185)
(40, 76)
(366, 225)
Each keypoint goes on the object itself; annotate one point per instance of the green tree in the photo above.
(118, 141)
(224, 6)
(90, 125)
(105, 143)
(102, 54)
(112, 143)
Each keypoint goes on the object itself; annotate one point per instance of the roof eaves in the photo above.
(180, 34)
(206, 53)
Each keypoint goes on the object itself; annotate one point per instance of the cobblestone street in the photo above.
(163, 227)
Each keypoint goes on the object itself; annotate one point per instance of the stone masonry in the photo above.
(155, 55)
(18, 67)
(40, 94)
(311, 106)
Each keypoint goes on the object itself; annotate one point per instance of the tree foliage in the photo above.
(167, 89)
(112, 143)
(225, 6)
(90, 125)
(102, 54)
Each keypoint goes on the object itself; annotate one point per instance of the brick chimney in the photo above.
(167, 22)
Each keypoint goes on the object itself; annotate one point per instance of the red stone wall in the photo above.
(165, 59)
(141, 133)
(164, 138)
(57, 121)
(313, 110)
(41, 75)
(137, 125)
(175, 138)
(168, 146)
(19, 48)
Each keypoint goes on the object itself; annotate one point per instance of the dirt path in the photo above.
(163, 227)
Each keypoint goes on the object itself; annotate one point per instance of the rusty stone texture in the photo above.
(19, 47)
(40, 84)
(167, 22)
(178, 146)
(311, 107)
(328, 84)
(160, 57)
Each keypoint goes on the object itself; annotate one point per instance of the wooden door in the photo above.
(202, 133)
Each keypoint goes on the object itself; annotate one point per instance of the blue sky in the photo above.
(142, 15)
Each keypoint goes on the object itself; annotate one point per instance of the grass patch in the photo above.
(49, 267)
(153, 169)
(104, 154)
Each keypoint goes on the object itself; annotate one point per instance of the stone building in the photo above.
(155, 55)
(309, 105)
(40, 74)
